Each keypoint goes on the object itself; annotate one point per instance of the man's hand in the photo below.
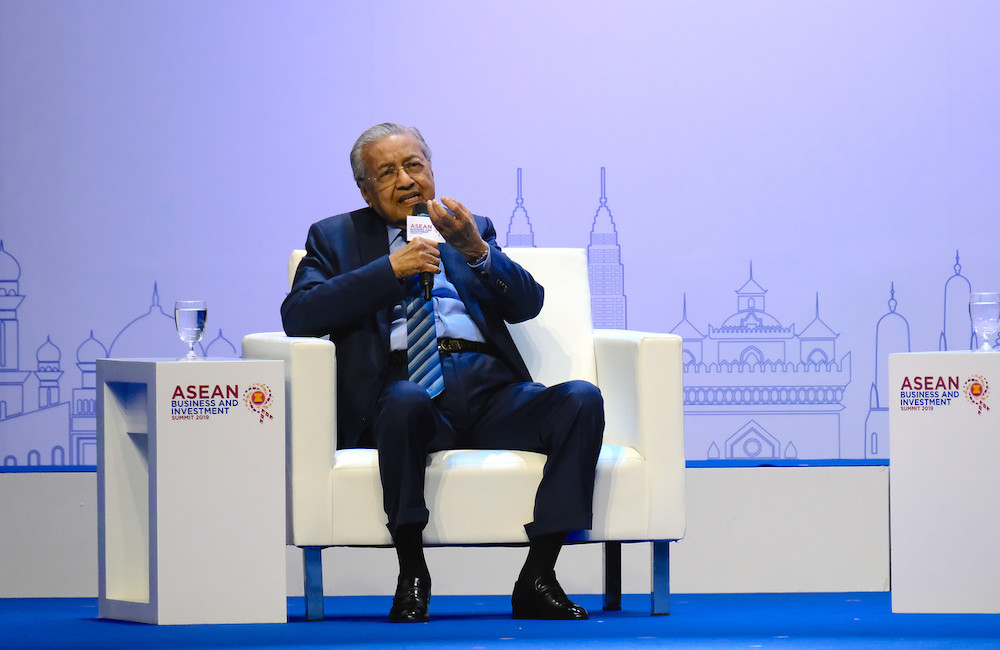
(459, 230)
(416, 257)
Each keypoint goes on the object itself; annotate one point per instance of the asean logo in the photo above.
(976, 390)
(257, 398)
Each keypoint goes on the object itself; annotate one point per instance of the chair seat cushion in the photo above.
(478, 458)
(501, 483)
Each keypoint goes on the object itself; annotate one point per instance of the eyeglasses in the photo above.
(389, 175)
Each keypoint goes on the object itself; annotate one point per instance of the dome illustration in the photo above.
(150, 335)
(10, 270)
(220, 346)
(48, 354)
(90, 350)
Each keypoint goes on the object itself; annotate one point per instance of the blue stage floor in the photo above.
(861, 620)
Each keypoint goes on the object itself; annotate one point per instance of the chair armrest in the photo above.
(641, 378)
(310, 426)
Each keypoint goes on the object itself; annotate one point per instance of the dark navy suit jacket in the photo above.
(345, 288)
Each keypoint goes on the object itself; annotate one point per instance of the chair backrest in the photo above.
(558, 344)
(293, 264)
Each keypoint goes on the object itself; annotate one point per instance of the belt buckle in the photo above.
(448, 345)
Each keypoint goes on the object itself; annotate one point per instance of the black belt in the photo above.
(445, 346)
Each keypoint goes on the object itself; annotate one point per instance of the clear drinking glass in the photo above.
(984, 309)
(190, 317)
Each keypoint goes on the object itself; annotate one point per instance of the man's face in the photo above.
(398, 177)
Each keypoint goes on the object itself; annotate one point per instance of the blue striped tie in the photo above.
(422, 358)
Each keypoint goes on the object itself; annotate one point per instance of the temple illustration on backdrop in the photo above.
(38, 426)
(756, 389)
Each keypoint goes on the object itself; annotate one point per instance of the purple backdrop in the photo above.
(844, 151)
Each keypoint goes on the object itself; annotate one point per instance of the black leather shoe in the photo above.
(544, 599)
(409, 605)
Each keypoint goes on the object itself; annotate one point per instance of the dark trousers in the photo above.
(483, 406)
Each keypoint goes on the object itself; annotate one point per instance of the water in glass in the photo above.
(984, 309)
(190, 317)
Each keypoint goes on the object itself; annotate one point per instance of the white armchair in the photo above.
(335, 496)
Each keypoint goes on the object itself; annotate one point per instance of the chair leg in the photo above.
(612, 576)
(312, 573)
(661, 578)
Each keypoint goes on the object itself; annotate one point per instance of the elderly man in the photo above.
(357, 283)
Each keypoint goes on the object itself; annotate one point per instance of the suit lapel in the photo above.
(372, 240)
(373, 243)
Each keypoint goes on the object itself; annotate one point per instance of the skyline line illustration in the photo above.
(749, 382)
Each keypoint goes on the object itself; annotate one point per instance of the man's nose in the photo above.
(403, 179)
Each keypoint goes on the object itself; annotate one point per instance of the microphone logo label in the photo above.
(421, 226)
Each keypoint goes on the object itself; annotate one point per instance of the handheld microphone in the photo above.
(426, 277)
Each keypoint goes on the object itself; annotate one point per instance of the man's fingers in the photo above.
(443, 220)
(456, 207)
(427, 253)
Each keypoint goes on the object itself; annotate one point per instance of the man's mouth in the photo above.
(410, 198)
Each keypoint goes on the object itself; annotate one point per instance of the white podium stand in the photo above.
(191, 491)
(944, 482)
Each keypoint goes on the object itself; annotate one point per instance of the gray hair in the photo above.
(375, 134)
